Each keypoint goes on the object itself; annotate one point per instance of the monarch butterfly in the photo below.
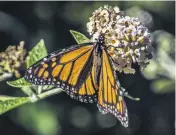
(85, 72)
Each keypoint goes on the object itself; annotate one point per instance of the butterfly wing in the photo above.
(70, 69)
(88, 90)
(110, 96)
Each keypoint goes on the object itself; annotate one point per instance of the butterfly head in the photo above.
(101, 40)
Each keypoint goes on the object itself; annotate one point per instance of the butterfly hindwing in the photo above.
(110, 97)
(70, 69)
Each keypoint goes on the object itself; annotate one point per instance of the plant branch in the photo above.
(43, 95)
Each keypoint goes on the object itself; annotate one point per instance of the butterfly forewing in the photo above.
(110, 96)
(70, 69)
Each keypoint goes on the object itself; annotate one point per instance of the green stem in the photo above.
(8, 103)
(43, 95)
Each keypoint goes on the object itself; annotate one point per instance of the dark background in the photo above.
(154, 114)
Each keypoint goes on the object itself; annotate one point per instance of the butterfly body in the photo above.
(85, 73)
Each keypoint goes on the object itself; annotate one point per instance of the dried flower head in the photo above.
(12, 58)
(128, 41)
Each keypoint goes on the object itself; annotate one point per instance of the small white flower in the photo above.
(116, 9)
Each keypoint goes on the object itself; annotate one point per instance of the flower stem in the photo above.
(43, 95)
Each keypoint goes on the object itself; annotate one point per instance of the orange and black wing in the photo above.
(70, 69)
(110, 96)
(88, 91)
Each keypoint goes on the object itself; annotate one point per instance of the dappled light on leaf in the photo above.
(8, 103)
(19, 83)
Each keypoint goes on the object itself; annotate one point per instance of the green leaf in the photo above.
(79, 37)
(37, 53)
(7, 103)
(21, 82)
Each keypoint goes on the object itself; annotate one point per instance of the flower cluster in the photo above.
(103, 20)
(12, 59)
(128, 41)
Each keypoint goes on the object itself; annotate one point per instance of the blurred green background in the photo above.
(154, 114)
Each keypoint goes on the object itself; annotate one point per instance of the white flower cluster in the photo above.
(128, 41)
(103, 20)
